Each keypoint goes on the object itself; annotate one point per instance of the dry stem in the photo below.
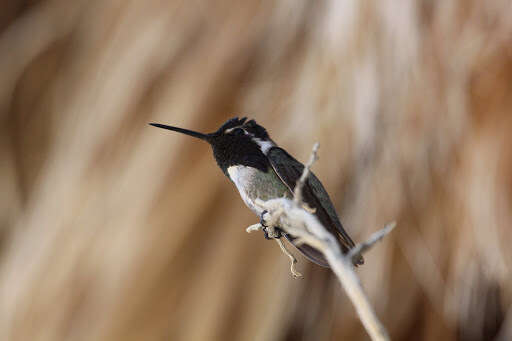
(291, 217)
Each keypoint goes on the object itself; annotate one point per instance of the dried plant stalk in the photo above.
(291, 217)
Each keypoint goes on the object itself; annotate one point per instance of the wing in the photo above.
(289, 171)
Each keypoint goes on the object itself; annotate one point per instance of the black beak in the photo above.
(196, 134)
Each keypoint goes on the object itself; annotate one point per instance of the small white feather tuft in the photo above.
(264, 145)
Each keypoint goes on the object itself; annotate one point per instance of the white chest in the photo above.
(243, 177)
(252, 183)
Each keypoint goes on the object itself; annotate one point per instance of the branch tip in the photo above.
(363, 247)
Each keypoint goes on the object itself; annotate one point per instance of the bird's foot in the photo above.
(262, 219)
(269, 233)
(276, 235)
(263, 223)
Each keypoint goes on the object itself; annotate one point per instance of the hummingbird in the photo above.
(260, 169)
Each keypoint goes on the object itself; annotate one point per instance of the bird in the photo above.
(260, 169)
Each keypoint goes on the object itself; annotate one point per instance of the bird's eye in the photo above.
(238, 132)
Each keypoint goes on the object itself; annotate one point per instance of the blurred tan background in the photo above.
(114, 230)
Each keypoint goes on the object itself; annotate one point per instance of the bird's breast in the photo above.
(254, 184)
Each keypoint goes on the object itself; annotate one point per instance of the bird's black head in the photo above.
(236, 142)
(239, 126)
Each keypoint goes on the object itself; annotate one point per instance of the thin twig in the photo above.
(254, 227)
(297, 193)
(293, 260)
(361, 248)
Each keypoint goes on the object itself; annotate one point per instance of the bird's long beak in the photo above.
(196, 134)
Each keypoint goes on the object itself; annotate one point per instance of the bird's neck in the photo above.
(232, 153)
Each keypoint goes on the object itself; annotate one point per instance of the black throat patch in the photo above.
(230, 150)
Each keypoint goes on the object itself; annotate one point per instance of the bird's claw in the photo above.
(277, 232)
(262, 220)
(265, 233)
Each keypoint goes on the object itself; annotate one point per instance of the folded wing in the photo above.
(315, 196)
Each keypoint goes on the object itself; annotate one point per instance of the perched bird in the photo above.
(260, 169)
